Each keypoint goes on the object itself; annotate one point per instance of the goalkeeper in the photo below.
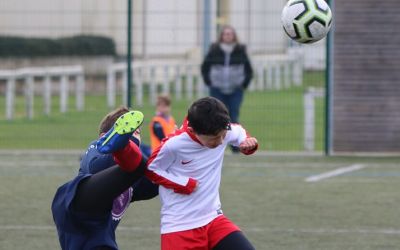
(88, 209)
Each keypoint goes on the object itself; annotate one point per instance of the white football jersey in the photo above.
(180, 157)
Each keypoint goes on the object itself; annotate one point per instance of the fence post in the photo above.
(200, 85)
(153, 86)
(110, 88)
(80, 92)
(269, 76)
(260, 77)
(29, 95)
(189, 82)
(252, 85)
(64, 94)
(10, 97)
(178, 82)
(138, 81)
(309, 119)
(277, 76)
(125, 88)
(297, 70)
(165, 89)
(47, 94)
(286, 74)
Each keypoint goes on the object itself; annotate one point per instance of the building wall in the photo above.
(40, 18)
(366, 90)
(105, 17)
(258, 24)
(160, 27)
(172, 26)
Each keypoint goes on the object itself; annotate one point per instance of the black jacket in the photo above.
(239, 63)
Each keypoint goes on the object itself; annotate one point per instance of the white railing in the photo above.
(270, 73)
(46, 74)
(276, 72)
(155, 74)
(309, 116)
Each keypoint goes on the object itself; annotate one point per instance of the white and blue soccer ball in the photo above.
(306, 21)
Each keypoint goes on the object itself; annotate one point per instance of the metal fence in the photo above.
(168, 43)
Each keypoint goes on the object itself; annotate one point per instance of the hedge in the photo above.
(68, 46)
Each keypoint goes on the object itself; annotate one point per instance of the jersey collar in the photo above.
(191, 135)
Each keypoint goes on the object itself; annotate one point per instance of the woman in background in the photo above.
(227, 71)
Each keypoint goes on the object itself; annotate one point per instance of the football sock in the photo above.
(129, 157)
(235, 240)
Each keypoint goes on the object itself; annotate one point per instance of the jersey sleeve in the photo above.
(237, 135)
(158, 131)
(158, 167)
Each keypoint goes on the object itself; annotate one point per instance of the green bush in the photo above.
(83, 45)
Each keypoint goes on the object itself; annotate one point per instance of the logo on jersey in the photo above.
(186, 162)
(219, 211)
(120, 204)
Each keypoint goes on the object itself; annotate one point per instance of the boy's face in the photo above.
(163, 109)
(211, 141)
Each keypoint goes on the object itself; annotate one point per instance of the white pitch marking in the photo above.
(229, 164)
(334, 173)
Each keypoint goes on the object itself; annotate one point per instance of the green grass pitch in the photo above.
(267, 196)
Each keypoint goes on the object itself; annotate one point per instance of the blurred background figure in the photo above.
(162, 123)
(227, 71)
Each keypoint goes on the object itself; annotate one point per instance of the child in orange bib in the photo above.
(163, 123)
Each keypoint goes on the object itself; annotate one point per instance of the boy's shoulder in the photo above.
(236, 130)
(176, 137)
(177, 140)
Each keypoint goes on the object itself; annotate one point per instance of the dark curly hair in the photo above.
(208, 116)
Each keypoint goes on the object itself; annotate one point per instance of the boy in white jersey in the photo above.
(188, 167)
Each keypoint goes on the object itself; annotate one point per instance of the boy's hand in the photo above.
(249, 145)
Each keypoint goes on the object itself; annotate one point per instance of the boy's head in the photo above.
(209, 120)
(163, 105)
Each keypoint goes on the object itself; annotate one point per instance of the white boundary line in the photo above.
(388, 231)
(334, 173)
(229, 164)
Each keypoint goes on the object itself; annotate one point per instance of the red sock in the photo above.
(129, 157)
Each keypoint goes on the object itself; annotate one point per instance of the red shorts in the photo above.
(201, 238)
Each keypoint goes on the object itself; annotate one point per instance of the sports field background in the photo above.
(276, 118)
(267, 196)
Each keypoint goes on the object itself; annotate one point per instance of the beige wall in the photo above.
(258, 24)
(172, 26)
(166, 27)
(40, 17)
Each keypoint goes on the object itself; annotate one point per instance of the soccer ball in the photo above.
(306, 21)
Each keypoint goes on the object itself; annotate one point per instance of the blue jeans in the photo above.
(232, 101)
